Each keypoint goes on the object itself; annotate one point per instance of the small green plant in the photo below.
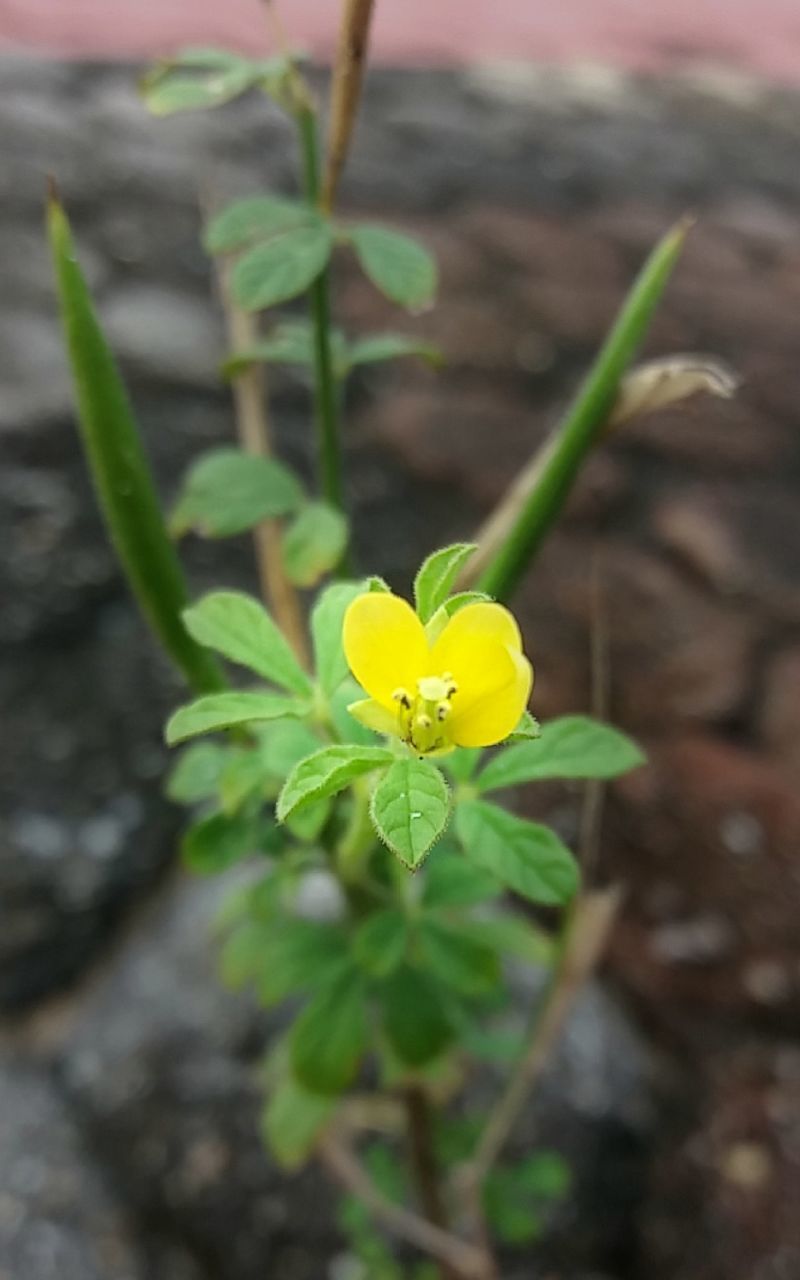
(356, 745)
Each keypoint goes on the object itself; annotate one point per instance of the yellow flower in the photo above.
(466, 688)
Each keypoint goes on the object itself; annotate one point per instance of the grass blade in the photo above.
(119, 468)
(556, 467)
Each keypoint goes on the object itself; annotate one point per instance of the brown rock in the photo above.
(717, 435)
(474, 437)
(675, 653)
(721, 829)
(741, 541)
(544, 248)
(779, 713)
(691, 528)
(738, 1165)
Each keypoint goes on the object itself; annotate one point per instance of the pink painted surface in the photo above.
(754, 35)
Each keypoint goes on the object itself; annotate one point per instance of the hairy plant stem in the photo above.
(358, 839)
(326, 392)
(424, 1165)
(250, 396)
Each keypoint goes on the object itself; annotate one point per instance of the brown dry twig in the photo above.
(348, 74)
(345, 1167)
(253, 428)
(591, 919)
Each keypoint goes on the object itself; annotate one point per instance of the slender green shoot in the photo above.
(119, 467)
(563, 454)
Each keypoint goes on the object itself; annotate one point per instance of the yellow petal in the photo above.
(481, 647)
(373, 716)
(483, 620)
(490, 711)
(385, 646)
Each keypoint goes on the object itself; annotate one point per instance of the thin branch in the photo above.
(424, 1165)
(348, 74)
(255, 437)
(591, 919)
(446, 1248)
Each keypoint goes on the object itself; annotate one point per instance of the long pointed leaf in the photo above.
(564, 453)
(119, 467)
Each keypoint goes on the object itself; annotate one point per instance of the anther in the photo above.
(423, 721)
(443, 710)
(403, 697)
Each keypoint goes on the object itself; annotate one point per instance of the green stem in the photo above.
(326, 392)
(359, 838)
(584, 423)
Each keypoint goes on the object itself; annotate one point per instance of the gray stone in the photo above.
(160, 335)
(58, 1219)
(84, 831)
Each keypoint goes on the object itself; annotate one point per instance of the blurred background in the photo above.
(539, 150)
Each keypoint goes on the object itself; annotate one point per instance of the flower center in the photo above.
(423, 715)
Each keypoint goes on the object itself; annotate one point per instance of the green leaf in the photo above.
(511, 1217)
(435, 579)
(239, 628)
(526, 856)
(545, 1175)
(452, 881)
(379, 945)
(347, 727)
(309, 820)
(528, 729)
(327, 621)
(314, 543)
(217, 842)
(514, 1196)
(462, 763)
(244, 775)
(584, 423)
(439, 620)
(391, 346)
(330, 1036)
(410, 808)
(493, 1044)
(414, 1016)
(196, 775)
(201, 58)
(169, 90)
(255, 218)
(288, 343)
(292, 1121)
(284, 744)
(326, 773)
(456, 959)
(119, 468)
(513, 936)
(224, 710)
(572, 747)
(281, 268)
(227, 491)
(397, 265)
(241, 954)
(297, 955)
